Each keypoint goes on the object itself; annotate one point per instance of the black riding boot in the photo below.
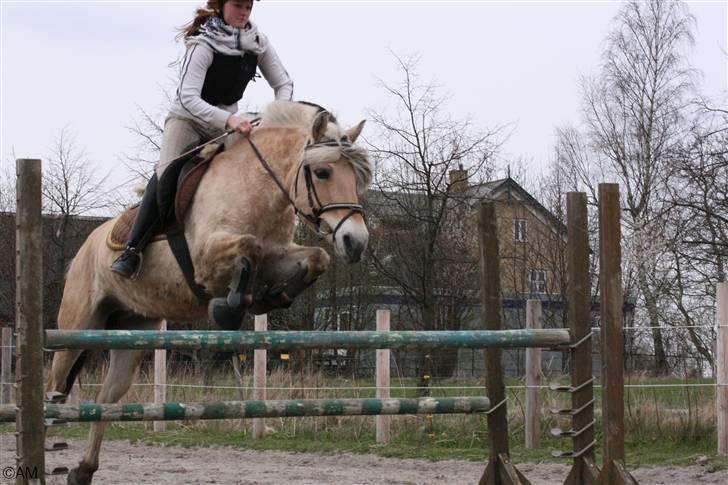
(145, 225)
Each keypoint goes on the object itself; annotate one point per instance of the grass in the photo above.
(665, 426)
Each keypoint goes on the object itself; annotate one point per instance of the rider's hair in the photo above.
(212, 8)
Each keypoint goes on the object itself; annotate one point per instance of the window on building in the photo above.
(537, 281)
(343, 321)
(519, 229)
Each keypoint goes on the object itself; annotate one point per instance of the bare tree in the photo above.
(71, 188)
(146, 154)
(699, 220)
(634, 112)
(7, 187)
(425, 158)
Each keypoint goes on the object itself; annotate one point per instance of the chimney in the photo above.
(458, 180)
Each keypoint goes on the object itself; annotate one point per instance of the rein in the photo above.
(317, 208)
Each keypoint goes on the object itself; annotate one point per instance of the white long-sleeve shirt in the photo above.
(198, 58)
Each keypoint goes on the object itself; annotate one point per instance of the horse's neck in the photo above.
(239, 191)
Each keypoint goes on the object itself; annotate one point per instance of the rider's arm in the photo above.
(273, 71)
(198, 59)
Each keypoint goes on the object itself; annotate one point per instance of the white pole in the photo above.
(259, 372)
(383, 422)
(160, 380)
(721, 365)
(533, 377)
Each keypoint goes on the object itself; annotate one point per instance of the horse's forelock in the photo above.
(355, 155)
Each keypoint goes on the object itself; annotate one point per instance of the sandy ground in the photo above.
(125, 463)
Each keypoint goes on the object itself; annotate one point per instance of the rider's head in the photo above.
(234, 12)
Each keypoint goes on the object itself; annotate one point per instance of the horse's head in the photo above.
(332, 174)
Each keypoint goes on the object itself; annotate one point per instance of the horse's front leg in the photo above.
(284, 274)
(229, 261)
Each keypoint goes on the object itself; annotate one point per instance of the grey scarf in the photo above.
(229, 40)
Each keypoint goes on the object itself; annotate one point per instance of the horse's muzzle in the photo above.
(351, 240)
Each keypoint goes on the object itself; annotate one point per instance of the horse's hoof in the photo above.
(239, 282)
(79, 476)
(225, 316)
(55, 397)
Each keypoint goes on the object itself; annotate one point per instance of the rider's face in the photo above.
(237, 12)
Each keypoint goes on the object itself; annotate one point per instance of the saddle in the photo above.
(176, 191)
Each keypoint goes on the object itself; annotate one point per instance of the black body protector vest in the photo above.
(227, 77)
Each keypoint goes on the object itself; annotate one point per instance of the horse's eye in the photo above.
(322, 173)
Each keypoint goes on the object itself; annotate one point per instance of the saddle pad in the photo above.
(119, 234)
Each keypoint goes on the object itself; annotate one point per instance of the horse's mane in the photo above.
(336, 146)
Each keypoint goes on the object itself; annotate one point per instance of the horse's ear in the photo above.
(320, 123)
(354, 132)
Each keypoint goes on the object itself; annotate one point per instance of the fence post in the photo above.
(259, 373)
(533, 377)
(160, 380)
(6, 389)
(721, 364)
(30, 440)
(383, 422)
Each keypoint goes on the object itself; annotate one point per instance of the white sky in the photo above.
(89, 64)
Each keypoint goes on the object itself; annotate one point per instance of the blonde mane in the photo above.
(332, 148)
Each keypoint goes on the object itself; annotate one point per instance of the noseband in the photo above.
(313, 219)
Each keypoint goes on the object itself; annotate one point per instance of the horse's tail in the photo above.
(75, 370)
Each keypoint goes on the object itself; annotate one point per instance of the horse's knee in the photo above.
(251, 249)
(318, 264)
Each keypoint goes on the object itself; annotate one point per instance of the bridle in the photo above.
(313, 219)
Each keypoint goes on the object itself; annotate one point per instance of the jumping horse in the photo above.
(298, 161)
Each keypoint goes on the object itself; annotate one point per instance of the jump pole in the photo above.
(255, 409)
(229, 341)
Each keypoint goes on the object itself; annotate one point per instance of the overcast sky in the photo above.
(87, 65)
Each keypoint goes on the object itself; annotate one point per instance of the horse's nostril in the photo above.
(347, 243)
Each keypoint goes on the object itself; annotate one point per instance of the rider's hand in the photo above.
(240, 125)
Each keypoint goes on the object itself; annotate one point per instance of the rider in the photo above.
(224, 48)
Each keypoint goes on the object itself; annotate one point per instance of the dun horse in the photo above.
(242, 218)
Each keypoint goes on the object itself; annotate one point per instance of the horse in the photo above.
(298, 161)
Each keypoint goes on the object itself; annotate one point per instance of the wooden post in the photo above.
(30, 426)
(584, 470)
(721, 365)
(612, 323)
(383, 422)
(499, 464)
(160, 380)
(259, 374)
(533, 378)
(6, 362)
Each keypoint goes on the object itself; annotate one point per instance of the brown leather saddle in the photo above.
(181, 194)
